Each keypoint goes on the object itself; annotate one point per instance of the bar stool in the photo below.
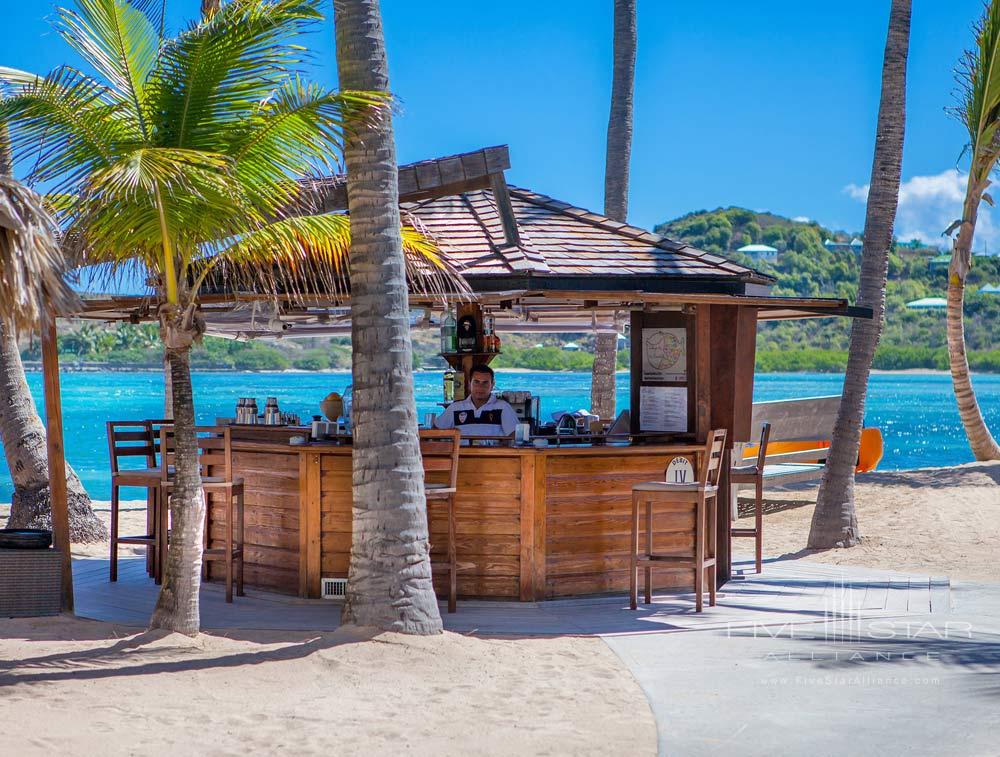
(439, 450)
(701, 495)
(215, 458)
(754, 474)
(133, 439)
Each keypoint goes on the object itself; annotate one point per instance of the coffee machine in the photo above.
(525, 405)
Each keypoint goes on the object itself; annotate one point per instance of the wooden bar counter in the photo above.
(531, 523)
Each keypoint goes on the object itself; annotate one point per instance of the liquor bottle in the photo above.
(460, 393)
(488, 326)
(448, 332)
(467, 334)
(449, 385)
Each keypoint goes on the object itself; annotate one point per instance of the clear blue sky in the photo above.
(770, 105)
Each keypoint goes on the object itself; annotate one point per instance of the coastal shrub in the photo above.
(312, 360)
(544, 359)
(802, 360)
(260, 357)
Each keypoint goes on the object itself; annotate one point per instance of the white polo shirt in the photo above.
(495, 418)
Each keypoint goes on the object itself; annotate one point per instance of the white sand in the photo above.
(83, 687)
(937, 521)
(76, 682)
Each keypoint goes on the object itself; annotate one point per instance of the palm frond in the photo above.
(118, 215)
(978, 78)
(65, 124)
(32, 266)
(214, 73)
(121, 42)
(308, 255)
(295, 132)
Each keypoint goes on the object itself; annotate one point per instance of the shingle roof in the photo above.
(558, 239)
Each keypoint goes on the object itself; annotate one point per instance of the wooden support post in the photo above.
(310, 524)
(703, 372)
(57, 458)
(502, 196)
(528, 592)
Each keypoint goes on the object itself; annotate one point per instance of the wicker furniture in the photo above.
(30, 582)
(700, 496)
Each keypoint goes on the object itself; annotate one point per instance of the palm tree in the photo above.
(178, 160)
(834, 521)
(979, 111)
(389, 584)
(619, 149)
(31, 274)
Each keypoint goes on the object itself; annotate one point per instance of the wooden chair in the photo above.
(130, 439)
(701, 495)
(754, 474)
(439, 449)
(215, 458)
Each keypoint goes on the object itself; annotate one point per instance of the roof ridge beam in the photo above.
(425, 179)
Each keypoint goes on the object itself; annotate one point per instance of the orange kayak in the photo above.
(869, 456)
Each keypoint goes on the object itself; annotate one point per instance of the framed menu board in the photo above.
(661, 368)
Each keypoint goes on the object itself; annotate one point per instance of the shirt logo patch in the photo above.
(462, 417)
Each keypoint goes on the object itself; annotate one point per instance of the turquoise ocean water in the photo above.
(916, 412)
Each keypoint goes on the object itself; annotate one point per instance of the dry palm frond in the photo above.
(32, 265)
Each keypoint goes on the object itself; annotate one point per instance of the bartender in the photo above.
(479, 414)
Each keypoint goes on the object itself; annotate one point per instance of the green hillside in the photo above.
(912, 338)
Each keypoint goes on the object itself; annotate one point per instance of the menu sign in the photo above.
(664, 354)
(663, 408)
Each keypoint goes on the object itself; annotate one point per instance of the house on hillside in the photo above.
(761, 252)
(989, 289)
(940, 262)
(928, 303)
(854, 246)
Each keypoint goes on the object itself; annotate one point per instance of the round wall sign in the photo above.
(680, 471)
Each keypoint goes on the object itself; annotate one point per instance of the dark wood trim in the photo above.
(57, 458)
(501, 195)
(703, 349)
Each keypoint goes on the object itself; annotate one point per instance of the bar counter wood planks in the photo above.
(531, 524)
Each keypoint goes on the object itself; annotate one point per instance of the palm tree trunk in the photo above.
(602, 378)
(619, 149)
(984, 446)
(389, 583)
(177, 606)
(24, 444)
(834, 521)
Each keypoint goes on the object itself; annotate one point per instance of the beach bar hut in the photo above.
(532, 522)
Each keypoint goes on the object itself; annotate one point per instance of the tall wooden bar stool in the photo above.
(132, 439)
(439, 449)
(701, 495)
(223, 492)
(754, 474)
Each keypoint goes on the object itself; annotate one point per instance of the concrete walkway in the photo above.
(805, 658)
(921, 681)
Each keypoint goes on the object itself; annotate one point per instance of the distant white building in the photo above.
(928, 303)
(762, 252)
(854, 246)
(989, 289)
(571, 347)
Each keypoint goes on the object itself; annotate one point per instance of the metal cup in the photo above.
(522, 433)
(429, 419)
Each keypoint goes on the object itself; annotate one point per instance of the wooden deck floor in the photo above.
(787, 592)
